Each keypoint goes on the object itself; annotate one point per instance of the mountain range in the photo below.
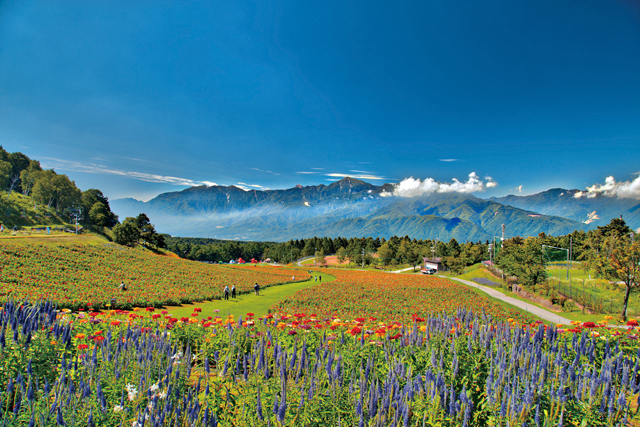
(354, 208)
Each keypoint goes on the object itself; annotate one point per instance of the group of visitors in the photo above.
(256, 288)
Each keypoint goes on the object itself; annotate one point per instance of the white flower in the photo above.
(162, 394)
(131, 391)
(117, 408)
(154, 387)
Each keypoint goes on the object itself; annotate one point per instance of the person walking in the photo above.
(233, 291)
(320, 278)
(226, 292)
(122, 287)
(256, 288)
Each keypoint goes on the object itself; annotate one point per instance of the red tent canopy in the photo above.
(241, 261)
(254, 261)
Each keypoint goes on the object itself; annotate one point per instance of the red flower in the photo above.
(83, 347)
(292, 332)
(355, 331)
(249, 314)
(156, 316)
(150, 309)
(632, 323)
(589, 325)
(197, 310)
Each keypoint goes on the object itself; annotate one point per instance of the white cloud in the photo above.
(612, 188)
(448, 160)
(307, 173)
(359, 176)
(67, 165)
(410, 187)
(260, 170)
(359, 171)
(519, 188)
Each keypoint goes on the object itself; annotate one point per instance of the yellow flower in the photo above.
(608, 317)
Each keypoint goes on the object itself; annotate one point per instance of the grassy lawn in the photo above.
(247, 303)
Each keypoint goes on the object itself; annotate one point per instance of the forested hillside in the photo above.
(34, 196)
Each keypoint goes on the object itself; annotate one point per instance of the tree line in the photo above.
(611, 252)
(394, 251)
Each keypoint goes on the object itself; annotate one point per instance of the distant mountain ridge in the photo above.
(347, 208)
(596, 210)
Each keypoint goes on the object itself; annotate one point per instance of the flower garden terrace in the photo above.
(400, 297)
(466, 369)
(87, 276)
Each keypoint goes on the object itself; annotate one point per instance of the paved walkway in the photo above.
(540, 312)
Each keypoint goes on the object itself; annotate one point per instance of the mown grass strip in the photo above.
(248, 303)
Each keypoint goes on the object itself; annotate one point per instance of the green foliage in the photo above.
(320, 260)
(134, 231)
(523, 258)
(97, 206)
(126, 233)
(5, 173)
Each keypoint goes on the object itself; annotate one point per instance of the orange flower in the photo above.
(80, 336)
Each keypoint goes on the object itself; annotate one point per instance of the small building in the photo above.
(433, 264)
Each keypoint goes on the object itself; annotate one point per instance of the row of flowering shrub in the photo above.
(82, 276)
(145, 368)
(389, 296)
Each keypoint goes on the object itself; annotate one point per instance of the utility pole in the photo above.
(490, 257)
(570, 257)
(501, 246)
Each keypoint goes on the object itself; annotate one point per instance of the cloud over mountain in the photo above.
(411, 187)
(612, 188)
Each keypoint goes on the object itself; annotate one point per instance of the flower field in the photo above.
(367, 349)
(139, 368)
(83, 276)
(388, 296)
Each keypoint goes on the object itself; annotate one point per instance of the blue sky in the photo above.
(139, 98)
